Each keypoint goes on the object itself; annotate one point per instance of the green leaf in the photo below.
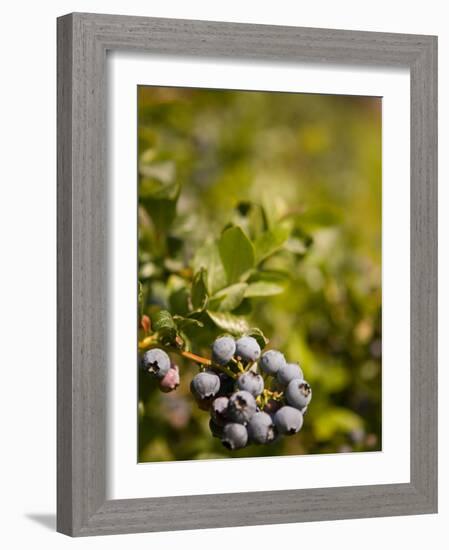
(199, 290)
(163, 323)
(256, 333)
(228, 323)
(236, 253)
(185, 322)
(228, 298)
(271, 276)
(323, 216)
(154, 189)
(208, 258)
(161, 211)
(179, 301)
(296, 246)
(263, 288)
(253, 217)
(270, 242)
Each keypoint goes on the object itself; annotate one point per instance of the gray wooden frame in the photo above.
(83, 40)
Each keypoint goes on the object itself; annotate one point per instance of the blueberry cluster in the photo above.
(252, 397)
(259, 398)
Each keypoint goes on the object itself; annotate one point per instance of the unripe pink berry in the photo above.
(171, 380)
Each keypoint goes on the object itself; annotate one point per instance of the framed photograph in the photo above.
(247, 274)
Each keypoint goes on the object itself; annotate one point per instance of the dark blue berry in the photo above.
(226, 384)
(216, 429)
(219, 410)
(272, 406)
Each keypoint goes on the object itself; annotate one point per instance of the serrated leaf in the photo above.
(185, 322)
(208, 258)
(163, 323)
(269, 242)
(228, 323)
(228, 298)
(236, 253)
(263, 288)
(256, 333)
(199, 293)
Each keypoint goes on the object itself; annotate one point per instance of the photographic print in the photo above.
(259, 273)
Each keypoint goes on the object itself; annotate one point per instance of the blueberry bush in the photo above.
(259, 274)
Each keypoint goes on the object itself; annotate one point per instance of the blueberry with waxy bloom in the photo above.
(241, 407)
(247, 349)
(223, 350)
(289, 372)
(298, 394)
(235, 436)
(288, 420)
(205, 384)
(251, 382)
(261, 428)
(156, 362)
(271, 361)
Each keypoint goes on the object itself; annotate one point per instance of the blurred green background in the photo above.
(315, 159)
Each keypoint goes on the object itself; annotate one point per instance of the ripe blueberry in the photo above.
(288, 420)
(241, 407)
(171, 380)
(247, 349)
(156, 362)
(261, 428)
(251, 382)
(271, 361)
(205, 384)
(289, 372)
(298, 394)
(272, 406)
(219, 410)
(235, 436)
(223, 350)
(216, 430)
(226, 384)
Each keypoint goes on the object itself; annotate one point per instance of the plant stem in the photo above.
(148, 341)
(193, 357)
(152, 341)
